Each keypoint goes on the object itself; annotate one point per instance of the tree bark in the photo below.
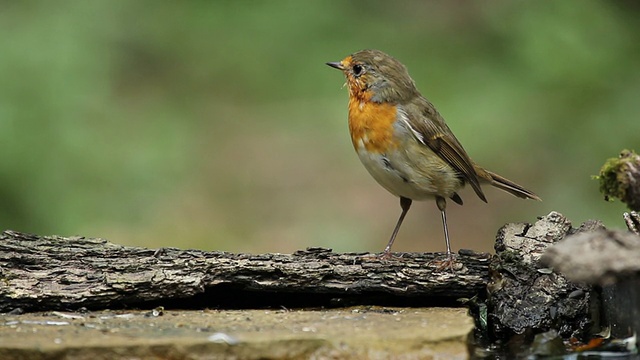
(58, 273)
(524, 296)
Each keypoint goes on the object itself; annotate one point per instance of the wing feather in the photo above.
(430, 129)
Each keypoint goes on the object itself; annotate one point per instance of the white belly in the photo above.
(419, 178)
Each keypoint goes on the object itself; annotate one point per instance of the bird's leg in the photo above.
(442, 206)
(405, 204)
(449, 261)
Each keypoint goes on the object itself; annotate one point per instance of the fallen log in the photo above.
(68, 273)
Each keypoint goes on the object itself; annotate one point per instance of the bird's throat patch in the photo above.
(371, 125)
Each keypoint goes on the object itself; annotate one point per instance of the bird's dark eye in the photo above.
(357, 69)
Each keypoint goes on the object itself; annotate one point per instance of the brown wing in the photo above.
(435, 134)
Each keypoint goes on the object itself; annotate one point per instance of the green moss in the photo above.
(618, 176)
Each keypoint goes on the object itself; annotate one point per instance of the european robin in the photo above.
(404, 142)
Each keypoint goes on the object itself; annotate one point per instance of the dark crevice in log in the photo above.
(234, 297)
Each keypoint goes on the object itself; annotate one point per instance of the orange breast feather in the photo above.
(371, 125)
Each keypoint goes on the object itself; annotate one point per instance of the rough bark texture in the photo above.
(526, 297)
(609, 258)
(52, 273)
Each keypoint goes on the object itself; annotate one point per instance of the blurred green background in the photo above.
(216, 124)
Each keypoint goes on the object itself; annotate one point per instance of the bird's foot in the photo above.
(447, 261)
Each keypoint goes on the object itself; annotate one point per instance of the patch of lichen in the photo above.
(620, 178)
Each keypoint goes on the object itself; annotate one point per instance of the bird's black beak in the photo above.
(336, 64)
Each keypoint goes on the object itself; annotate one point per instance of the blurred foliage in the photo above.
(216, 124)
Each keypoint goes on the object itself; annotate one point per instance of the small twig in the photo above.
(632, 219)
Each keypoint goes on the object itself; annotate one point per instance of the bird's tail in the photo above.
(511, 187)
